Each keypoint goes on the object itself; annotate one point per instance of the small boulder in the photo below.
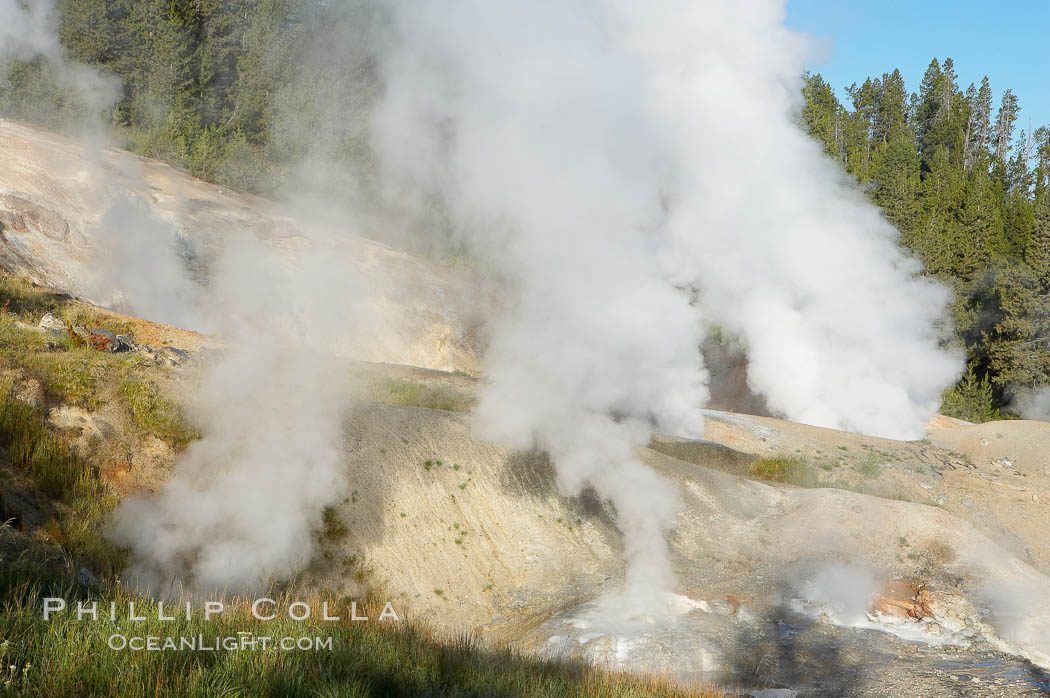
(106, 340)
(52, 324)
(103, 339)
(173, 356)
(30, 391)
(86, 578)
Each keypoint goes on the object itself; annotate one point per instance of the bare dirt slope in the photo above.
(474, 536)
(993, 475)
(55, 192)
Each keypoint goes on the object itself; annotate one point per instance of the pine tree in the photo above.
(896, 175)
(927, 109)
(891, 119)
(1037, 253)
(1004, 125)
(822, 115)
(978, 124)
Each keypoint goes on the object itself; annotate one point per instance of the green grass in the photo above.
(21, 298)
(92, 318)
(398, 391)
(56, 471)
(70, 374)
(152, 413)
(66, 657)
(83, 376)
(792, 470)
(30, 446)
(786, 469)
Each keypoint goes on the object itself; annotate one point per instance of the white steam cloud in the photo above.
(245, 499)
(28, 31)
(636, 173)
(1033, 403)
(139, 270)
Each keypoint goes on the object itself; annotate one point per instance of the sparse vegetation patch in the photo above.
(785, 469)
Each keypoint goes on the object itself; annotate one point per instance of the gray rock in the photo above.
(106, 340)
(26, 217)
(177, 354)
(87, 579)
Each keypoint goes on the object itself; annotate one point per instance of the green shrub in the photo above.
(333, 528)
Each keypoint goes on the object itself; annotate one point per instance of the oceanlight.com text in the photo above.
(200, 643)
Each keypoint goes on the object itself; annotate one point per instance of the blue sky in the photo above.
(1009, 42)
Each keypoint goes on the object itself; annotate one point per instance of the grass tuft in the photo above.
(333, 528)
(152, 413)
(785, 469)
(30, 445)
(396, 391)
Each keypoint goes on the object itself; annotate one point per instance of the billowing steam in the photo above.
(1033, 403)
(245, 499)
(139, 269)
(528, 126)
(28, 31)
(635, 172)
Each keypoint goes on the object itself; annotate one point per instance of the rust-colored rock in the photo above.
(901, 599)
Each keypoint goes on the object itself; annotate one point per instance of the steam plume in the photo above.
(139, 269)
(1033, 403)
(635, 172)
(28, 31)
(634, 175)
(245, 499)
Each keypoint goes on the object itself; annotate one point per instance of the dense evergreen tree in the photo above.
(230, 90)
(970, 199)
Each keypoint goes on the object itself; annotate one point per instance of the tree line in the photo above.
(969, 189)
(237, 92)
